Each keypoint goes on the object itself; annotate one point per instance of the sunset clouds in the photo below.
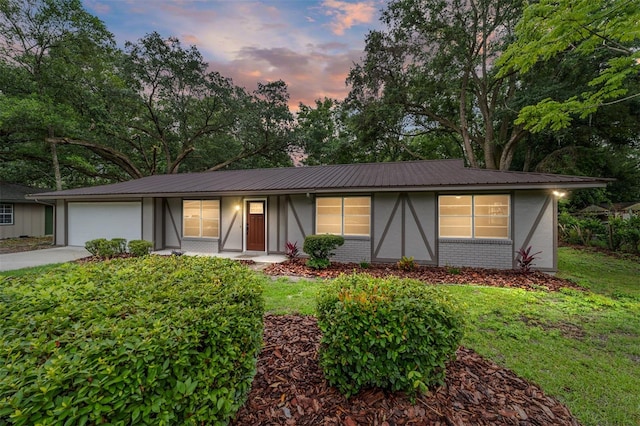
(311, 45)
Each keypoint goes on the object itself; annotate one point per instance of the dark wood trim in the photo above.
(534, 227)
(387, 226)
(173, 222)
(403, 226)
(423, 235)
(226, 236)
(295, 215)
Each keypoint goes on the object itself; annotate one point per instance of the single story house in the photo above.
(21, 217)
(439, 212)
(604, 210)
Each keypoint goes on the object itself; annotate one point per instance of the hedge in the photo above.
(153, 340)
(395, 334)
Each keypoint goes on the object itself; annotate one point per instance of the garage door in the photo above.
(88, 221)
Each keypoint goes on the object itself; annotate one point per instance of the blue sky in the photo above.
(311, 45)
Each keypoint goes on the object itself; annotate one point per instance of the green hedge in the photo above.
(319, 248)
(389, 333)
(153, 340)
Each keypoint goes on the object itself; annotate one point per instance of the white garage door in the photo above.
(88, 221)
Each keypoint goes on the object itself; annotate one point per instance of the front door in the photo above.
(255, 226)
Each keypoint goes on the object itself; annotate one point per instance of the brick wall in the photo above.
(476, 253)
(353, 250)
(199, 246)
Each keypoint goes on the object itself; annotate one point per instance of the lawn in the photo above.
(581, 347)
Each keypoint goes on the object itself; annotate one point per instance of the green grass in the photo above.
(36, 270)
(580, 347)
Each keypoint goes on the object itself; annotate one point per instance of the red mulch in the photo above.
(289, 389)
(533, 280)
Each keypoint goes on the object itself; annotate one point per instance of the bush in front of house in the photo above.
(395, 334)
(150, 340)
(140, 247)
(319, 248)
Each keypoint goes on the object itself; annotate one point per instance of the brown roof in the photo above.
(15, 193)
(432, 175)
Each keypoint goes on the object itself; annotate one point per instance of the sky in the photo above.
(309, 44)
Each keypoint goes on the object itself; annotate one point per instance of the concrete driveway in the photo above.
(27, 259)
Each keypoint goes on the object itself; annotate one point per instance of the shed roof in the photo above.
(441, 175)
(15, 193)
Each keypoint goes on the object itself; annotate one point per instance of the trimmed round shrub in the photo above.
(395, 334)
(153, 340)
(140, 247)
(319, 248)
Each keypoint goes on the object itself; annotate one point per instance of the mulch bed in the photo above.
(437, 275)
(289, 389)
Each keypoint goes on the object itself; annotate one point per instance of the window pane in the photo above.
(455, 216)
(492, 216)
(6, 214)
(455, 226)
(357, 215)
(210, 218)
(329, 215)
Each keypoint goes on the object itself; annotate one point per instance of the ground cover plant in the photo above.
(152, 340)
(580, 346)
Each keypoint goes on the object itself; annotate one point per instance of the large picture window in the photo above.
(201, 218)
(349, 216)
(6, 214)
(474, 216)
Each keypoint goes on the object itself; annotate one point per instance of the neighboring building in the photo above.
(20, 217)
(439, 212)
(604, 211)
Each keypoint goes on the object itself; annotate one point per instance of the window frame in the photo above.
(474, 215)
(10, 214)
(342, 215)
(201, 219)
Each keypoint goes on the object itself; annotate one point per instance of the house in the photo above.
(20, 217)
(439, 212)
(604, 211)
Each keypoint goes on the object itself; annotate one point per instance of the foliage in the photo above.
(526, 259)
(406, 263)
(429, 71)
(140, 247)
(291, 250)
(389, 333)
(551, 28)
(153, 340)
(319, 248)
(616, 234)
(100, 247)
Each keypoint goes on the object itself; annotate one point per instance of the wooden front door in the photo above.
(255, 225)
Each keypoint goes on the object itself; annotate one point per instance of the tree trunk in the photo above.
(54, 158)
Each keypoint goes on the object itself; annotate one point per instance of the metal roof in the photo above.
(15, 193)
(429, 175)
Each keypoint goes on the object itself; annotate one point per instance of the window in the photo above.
(6, 214)
(201, 218)
(474, 216)
(343, 215)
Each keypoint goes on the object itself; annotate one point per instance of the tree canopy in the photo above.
(565, 28)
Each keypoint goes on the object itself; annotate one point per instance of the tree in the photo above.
(431, 71)
(563, 28)
(48, 49)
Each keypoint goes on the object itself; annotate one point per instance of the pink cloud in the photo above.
(346, 14)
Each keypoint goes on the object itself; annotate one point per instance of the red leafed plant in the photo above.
(525, 259)
(292, 251)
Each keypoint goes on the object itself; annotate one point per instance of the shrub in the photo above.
(119, 245)
(106, 249)
(406, 263)
(525, 259)
(319, 248)
(391, 333)
(292, 250)
(151, 340)
(95, 246)
(140, 247)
